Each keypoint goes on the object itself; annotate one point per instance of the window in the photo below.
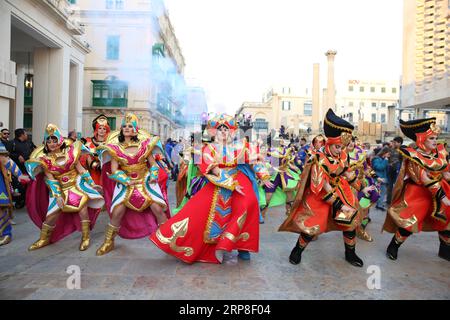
(260, 124)
(383, 118)
(119, 4)
(112, 47)
(383, 104)
(361, 104)
(350, 117)
(286, 90)
(394, 90)
(374, 117)
(361, 89)
(372, 89)
(383, 90)
(114, 4)
(350, 103)
(110, 93)
(286, 105)
(112, 123)
(374, 104)
(158, 50)
(109, 4)
(350, 88)
(307, 109)
(28, 120)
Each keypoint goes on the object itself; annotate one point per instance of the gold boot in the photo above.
(44, 239)
(363, 235)
(85, 239)
(108, 244)
(5, 240)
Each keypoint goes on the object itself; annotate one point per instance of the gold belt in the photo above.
(67, 179)
(136, 171)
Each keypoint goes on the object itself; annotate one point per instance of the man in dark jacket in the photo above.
(4, 138)
(21, 149)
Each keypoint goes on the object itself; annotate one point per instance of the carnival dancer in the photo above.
(325, 200)
(7, 169)
(420, 200)
(285, 178)
(182, 179)
(71, 201)
(370, 194)
(130, 174)
(302, 153)
(195, 180)
(223, 215)
(91, 162)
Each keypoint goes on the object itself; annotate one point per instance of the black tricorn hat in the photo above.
(410, 128)
(333, 125)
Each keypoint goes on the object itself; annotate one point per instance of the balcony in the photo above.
(110, 93)
(260, 124)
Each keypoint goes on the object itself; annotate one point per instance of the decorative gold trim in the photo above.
(211, 215)
(179, 230)
(418, 124)
(337, 127)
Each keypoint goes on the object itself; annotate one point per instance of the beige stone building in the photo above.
(280, 105)
(367, 100)
(42, 56)
(135, 65)
(426, 58)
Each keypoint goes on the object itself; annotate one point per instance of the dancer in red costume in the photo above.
(62, 197)
(324, 201)
(130, 173)
(420, 199)
(91, 162)
(224, 214)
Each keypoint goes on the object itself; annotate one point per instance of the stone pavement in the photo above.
(136, 269)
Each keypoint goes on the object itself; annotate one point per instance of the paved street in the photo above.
(138, 270)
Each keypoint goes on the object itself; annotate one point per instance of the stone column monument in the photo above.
(331, 90)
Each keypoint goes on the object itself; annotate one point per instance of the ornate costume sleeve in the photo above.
(261, 172)
(356, 183)
(208, 163)
(54, 188)
(87, 177)
(334, 200)
(415, 172)
(317, 178)
(154, 170)
(13, 168)
(120, 177)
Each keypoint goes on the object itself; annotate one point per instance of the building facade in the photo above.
(367, 100)
(280, 106)
(135, 65)
(42, 56)
(426, 58)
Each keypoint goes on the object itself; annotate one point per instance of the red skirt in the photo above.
(213, 221)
